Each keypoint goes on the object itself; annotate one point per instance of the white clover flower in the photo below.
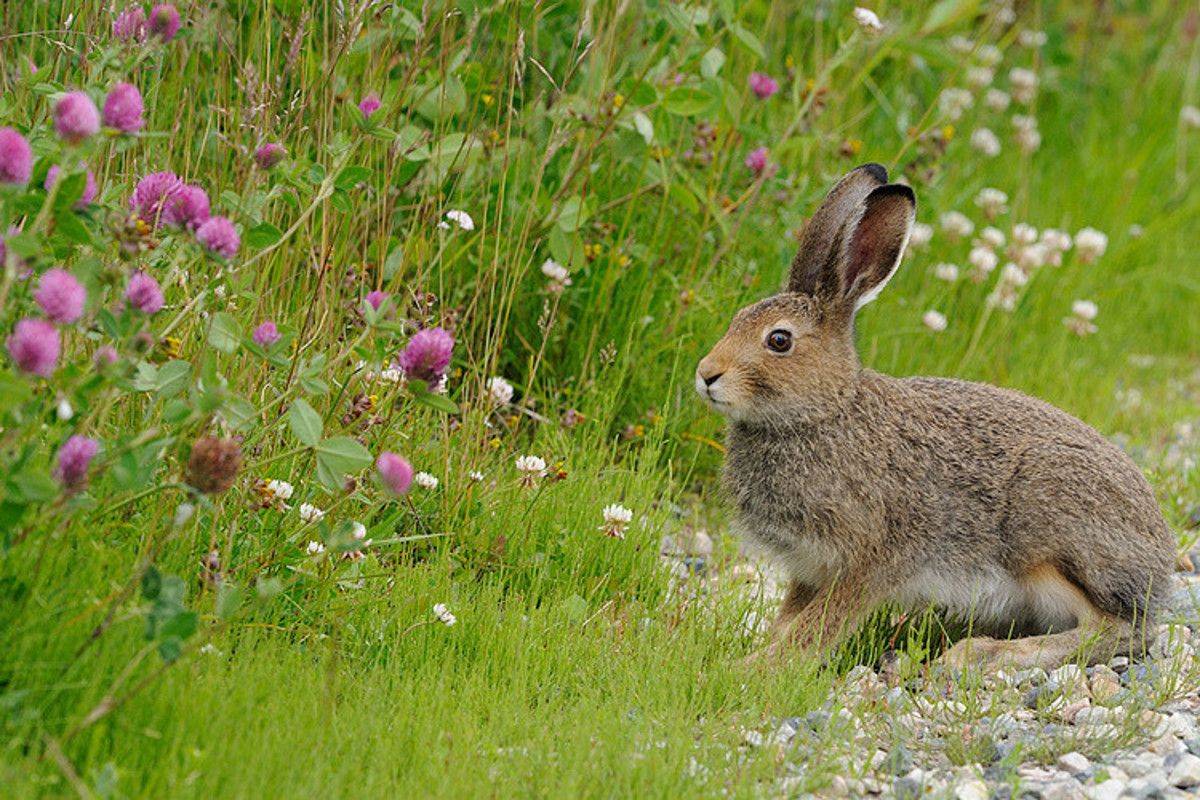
(616, 520)
(358, 531)
(314, 548)
(63, 409)
(868, 20)
(391, 375)
(1190, 115)
(209, 649)
(1013, 275)
(425, 481)
(461, 218)
(442, 612)
(996, 100)
(531, 468)
(1031, 257)
(992, 237)
(956, 225)
(1032, 38)
(500, 391)
(1082, 314)
(920, 236)
(979, 77)
(960, 45)
(1056, 239)
(946, 272)
(476, 476)
(310, 513)
(1024, 234)
(183, 513)
(1136, 231)
(1024, 84)
(1004, 294)
(986, 142)
(989, 55)
(1090, 244)
(992, 202)
(954, 102)
(1085, 309)
(934, 321)
(1027, 135)
(1005, 16)
(280, 490)
(556, 271)
(982, 261)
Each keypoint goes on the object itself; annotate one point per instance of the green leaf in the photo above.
(748, 40)
(183, 624)
(34, 486)
(262, 235)
(684, 101)
(946, 13)
(170, 648)
(575, 607)
(313, 385)
(644, 127)
(573, 214)
(438, 402)
(69, 227)
(336, 457)
(176, 411)
(305, 423)
(151, 583)
(393, 262)
(172, 378)
(225, 334)
(229, 600)
(351, 177)
(240, 413)
(711, 62)
(70, 192)
(268, 588)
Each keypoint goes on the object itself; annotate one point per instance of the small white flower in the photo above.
(1004, 294)
(956, 225)
(476, 476)
(556, 271)
(280, 490)
(996, 100)
(442, 612)
(868, 20)
(391, 375)
(220, 291)
(1190, 116)
(1013, 275)
(982, 261)
(64, 410)
(183, 513)
(920, 237)
(310, 513)
(462, 218)
(934, 320)
(986, 141)
(1024, 84)
(531, 468)
(946, 272)
(1032, 257)
(1024, 234)
(616, 520)
(500, 390)
(209, 649)
(1031, 38)
(314, 548)
(954, 102)
(992, 237)
(425, 481)
(960, 45)
(1005, 16)
(1056, 239)
(1136, 231)
(1090, 244)
(1085, 309)
(1027, 134)
(992, 202)
(989, 55)
(1082, 314)
(979, 77)
(358, 531)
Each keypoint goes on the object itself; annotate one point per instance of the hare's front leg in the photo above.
(832, 612)
(798, 596)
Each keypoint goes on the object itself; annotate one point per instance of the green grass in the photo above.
(575, 668)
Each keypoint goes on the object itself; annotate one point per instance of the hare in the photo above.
(1011, 514)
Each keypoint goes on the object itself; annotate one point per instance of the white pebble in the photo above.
(1186, 773)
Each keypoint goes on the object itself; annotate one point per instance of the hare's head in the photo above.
(791, 356)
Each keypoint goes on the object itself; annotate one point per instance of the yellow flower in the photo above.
(618, 100)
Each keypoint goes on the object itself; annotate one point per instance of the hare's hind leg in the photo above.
(832, 612)
(798, 596)
(1094, 643)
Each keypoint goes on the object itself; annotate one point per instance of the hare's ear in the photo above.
(815, 267)
(873, 245)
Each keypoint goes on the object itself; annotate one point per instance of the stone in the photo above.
(1186, 772)
(1068, 789)
(907, 789)
(1108, 790)
(1144, 789)
(838, 787)
(1164, 745)
(1104, 685)
(898, 761)
(1073, 762)
(973, 789)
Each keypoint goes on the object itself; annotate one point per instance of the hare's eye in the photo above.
(779, 340)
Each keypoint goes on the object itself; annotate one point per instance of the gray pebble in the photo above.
(907, 789)
(899, 761)
(1186, 772)
(1073, 762)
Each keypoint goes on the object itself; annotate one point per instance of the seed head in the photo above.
(214, 464)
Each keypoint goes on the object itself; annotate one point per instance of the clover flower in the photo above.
(269, 156)
(425, 481)
(187, 208)
(1082, 314)
(218, 235)
(151, 193)
(616, 520)
(946, 272)
(1004, 294)
(442, 612)
(982, 261)
(1032, 38)
(265, 334)
(359, 540)
(395, 473)
(314, 548)
(986, 142)
(280, 490)
(143, 293)
(74, 461)
(89, 184)
(991, 237)
(559, 277)
(1090, 244)
(997, 100)
(1027, 134)
(1024, 234)
(427, 355)
(34, 346)
(376, 298)
(980, 76)
(1190, 116)
(992, 202)
(369, 105)
(460, 218)
(105, 356)
(756, 160)
(954, 102)
(60, 296)
(310, 513)
(1024, 84)
(956, 225)
(476, 476)
(213, 464)
(920, 237)
(868, 20)
(123, 108)
(76, 117)
(934, 321)
(763, 85)
(531, 468)
(16, 158)
(130, 25)
(499, 391)
(164, 23)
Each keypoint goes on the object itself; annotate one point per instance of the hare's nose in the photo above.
(709, 380)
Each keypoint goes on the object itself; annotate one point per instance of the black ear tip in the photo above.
(877, 171)
(893, 190)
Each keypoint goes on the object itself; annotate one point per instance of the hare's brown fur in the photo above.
(867, 488)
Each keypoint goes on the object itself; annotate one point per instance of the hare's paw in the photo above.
(980, 652)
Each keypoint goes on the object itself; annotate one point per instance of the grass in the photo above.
(575, 668)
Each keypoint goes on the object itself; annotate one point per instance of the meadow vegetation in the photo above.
(347, 388)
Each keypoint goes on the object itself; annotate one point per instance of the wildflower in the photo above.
(960, 45)
(151, 193)
(89, 184)
(265, 334)
(1032, 38)
(427, 355)
(1090, 244)
(996, 100)
(1027, 134)
(209, 649)
(60, 296)
(992, 202)
(105, 357)
(280, 490)
(1056, 239)
(123, 108)
(74, 460)
(314, 548)
(1135, 230)
(992, 237)
(946, 272)
(868, 20)
(616, 520)
(756, 160)
(500, 391)
(183, 513)
(1004, 295)
(1082, 314)
(391, 375)
(982, 261)
(143, 293)
(763, 85)
(425, 481)
(63, 410)
(1024, 84)
(989, 55)
(164, 23)
(16, 158)
(369, 105)
(986, 142)
(442, 612)
(310, 513)
(954, 102)
(559, 277)
(1024, 234)
(979, 77)
(187, 208)
(920, 237)
(213, 465)
(1190, 115)
(934, 321)
(531, 468)
(76, 117)
(218, 235)
(460, 218)
(269, 156)
(395, 473)
(476, 476)
(34, 346)
(956, 225)
(376, 298)
(130, 25)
